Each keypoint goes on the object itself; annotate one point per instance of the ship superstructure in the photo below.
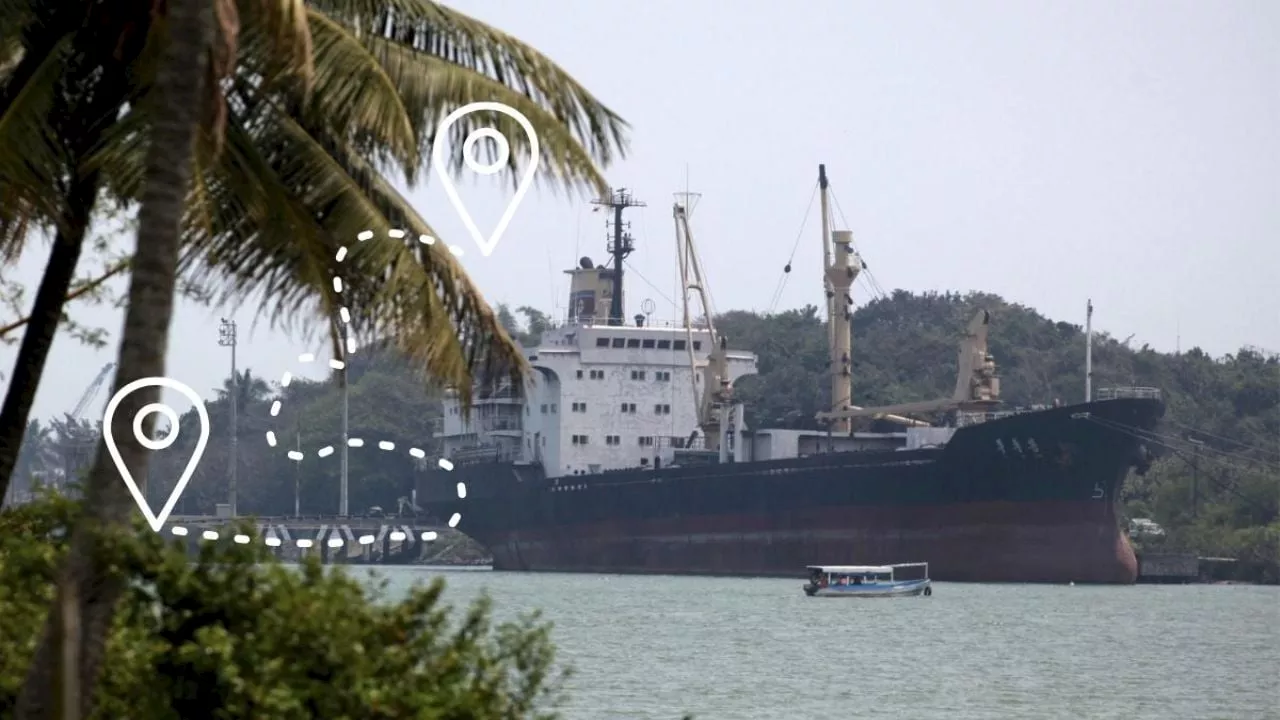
(608, 394)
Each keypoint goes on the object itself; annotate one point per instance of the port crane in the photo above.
(93, 389)
(717, 393)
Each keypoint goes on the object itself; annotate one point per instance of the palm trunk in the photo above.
(86, 581)
(46, 314)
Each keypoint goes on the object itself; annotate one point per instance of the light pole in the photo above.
(342, 482)
(297, 472)
(227, 338)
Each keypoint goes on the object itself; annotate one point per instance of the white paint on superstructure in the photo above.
(602, 397)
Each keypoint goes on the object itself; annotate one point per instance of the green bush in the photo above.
(232, 634)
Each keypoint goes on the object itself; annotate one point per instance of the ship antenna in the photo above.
(620, 246)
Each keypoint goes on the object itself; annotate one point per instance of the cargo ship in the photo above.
(627, 452)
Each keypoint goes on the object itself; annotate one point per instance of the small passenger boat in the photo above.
(869, 580)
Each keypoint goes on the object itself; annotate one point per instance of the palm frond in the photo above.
(432, 31)
(281, 33)
(317, 206)
(30, 160)
(354, 92)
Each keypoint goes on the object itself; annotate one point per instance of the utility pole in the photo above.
(1195, 477)
(297, 471)
(619, 247)
(227, 338)
(344, 378)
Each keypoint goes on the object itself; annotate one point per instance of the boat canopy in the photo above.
(852, 569)
(858, 569)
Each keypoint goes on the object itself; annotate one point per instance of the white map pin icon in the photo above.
(156, 521)
(504, 153)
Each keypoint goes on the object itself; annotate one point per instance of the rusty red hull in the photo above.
(992, 542)
(1028, 498)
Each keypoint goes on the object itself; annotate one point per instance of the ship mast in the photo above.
(619, 247)
(841, 266)
(1088, 352)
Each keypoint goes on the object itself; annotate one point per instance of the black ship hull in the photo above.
(1025, 498)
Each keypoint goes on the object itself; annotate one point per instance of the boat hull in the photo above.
(1030, 498)
(991, 542)
(905, 588)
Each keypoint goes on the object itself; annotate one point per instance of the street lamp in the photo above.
(297, 456)
(227, 338)
(344, 351)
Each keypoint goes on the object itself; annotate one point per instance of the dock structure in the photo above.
(336, 539)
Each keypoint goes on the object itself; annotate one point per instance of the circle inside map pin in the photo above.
(468, 146)
(170, 435)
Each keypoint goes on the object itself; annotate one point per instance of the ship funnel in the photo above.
(590, 293)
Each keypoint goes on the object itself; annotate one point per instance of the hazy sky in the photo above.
(1048, 152)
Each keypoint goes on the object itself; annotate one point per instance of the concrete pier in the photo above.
(335, 539)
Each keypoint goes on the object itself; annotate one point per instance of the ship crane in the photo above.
(93, 389)
(977, 384)
(716, 397)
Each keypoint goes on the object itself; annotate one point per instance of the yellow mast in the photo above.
(841, 266)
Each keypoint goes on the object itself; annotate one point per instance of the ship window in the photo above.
(579, 407)
(637, 374)
(633, 343)
(678, 346)
(662, 409)
(579, 374)
(664, 344)
(597, 374)
(533, 357)
(612, 440)
(579, 439)
(644, 461)
(647, 343)
(628, 407)
(662, 376)
(619, 342)
(544, 408)
(602, 342)
(553, 407)
(646, 440)
(697, 344)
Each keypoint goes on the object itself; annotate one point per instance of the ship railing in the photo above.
(965, 419)
(1115, 393)
(472, 456)
(492, 424)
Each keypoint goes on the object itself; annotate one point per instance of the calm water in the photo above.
(736, 649)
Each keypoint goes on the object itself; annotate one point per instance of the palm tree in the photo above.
(88, 589)
(250, 389)
(38, 458)
(321, 96)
